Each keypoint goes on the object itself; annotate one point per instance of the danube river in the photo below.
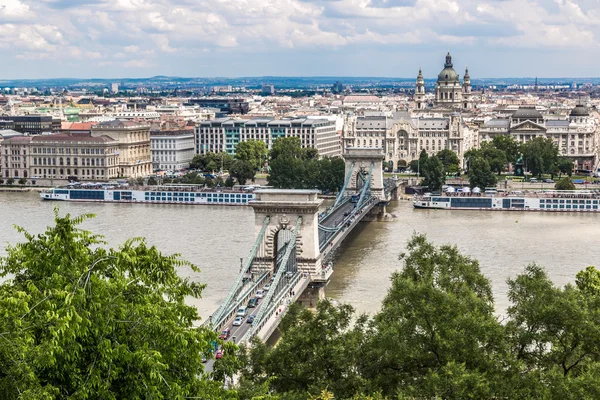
(215, 238)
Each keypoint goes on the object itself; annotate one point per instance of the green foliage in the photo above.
(414, 165)
(242, 171)
(22, 181)
(293, 167)
(437, 336)
(152, 181)
(495, 157)
(480, 174)
(317, 350)
(10, 181)
(436, 331)
(565, 166)
(449, 160)
(212, 162)
(432, 171)
(510, 147)
(564, 184)
(252, 151)
(540, 156)
(229, 182)
(81, 321)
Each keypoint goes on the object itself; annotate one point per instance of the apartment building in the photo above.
(224, 134)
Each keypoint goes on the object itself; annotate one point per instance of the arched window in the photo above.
(68, 171)
(92, 162)
(75, 161)
(61, 171)
(25, 174)
(75, 171)
(60, 160)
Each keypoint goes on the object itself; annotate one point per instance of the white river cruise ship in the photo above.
(165, 194)
(545, 200)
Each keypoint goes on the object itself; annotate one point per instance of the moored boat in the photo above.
(544, 200)
(165, 194)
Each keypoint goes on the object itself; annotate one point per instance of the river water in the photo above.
(216, 237)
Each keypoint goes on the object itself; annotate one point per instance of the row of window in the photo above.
(53, 150)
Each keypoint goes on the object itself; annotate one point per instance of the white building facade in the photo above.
(172, 150)
(402, 137)
(577, 136)
(223, 134)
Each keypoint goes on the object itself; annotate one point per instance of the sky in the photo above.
(233, 38)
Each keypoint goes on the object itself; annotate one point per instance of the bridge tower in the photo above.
(358, 161)
(283, 207)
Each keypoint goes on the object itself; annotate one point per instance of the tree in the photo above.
(293, 167)
(436, 335)
(565, 166)
(510, 147)
(10, 181)
(414, 165)
(565, 184)
(495, 157)
(152, 181)
(433, 174)
(197, 162)
(242, 171)
(318, 349)
(82, 321)
(449, 160)
(554, 331)
(540, 156)
(252, 151)
(22, 181)
(480, 174)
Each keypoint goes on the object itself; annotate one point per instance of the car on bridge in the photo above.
(250, 318)
(253, 302)
(225, 334)
(238, 321)
(242, 311)
(267, 287)
(260, 294)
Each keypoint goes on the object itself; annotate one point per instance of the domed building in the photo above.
(449, 91)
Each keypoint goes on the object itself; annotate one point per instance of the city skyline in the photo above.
(340, 38)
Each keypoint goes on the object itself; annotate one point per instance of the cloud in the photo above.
(246, 37)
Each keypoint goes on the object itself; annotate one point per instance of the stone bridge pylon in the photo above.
(283, 207)
(359, 161)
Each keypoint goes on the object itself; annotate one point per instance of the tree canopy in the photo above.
(564, 184)
(212, 161)
(540, 156)
(480, 174)
(242, 171)
(294, 167)
(252, 151)
(438, 336)
(81, 321)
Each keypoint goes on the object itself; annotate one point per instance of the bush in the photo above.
(565, 184)
(22, 181)
(10, 181)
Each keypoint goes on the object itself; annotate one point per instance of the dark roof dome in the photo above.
(579, 111)
(527, 113)
(448, 74)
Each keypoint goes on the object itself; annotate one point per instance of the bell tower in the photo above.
(420, 91)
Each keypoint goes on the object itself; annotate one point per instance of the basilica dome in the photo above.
(448, 74)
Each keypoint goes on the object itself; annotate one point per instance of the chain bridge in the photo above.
(290, 260)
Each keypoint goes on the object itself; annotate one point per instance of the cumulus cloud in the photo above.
(257, 37)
